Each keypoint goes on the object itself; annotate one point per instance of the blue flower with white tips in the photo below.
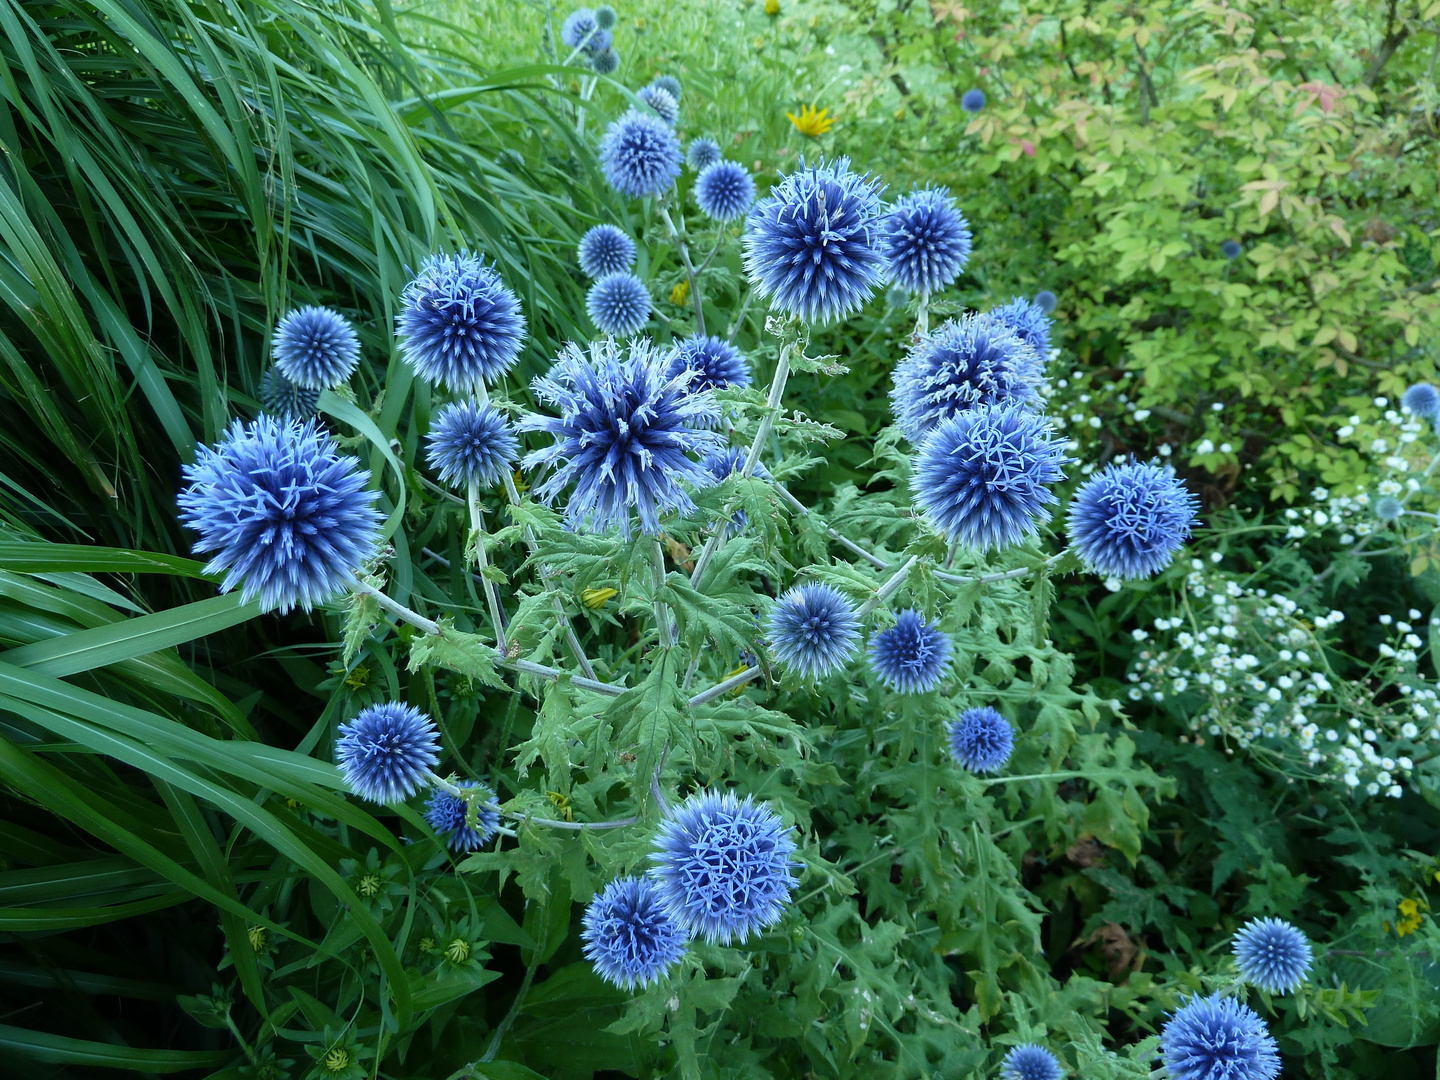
(459, 326)
(927, 241)
(604, 249)
(713, 363)
(1031, 1062)
(619, 304)
(446, 814)
(911, 656)
(1273, 955)
(315, 347)
(662, 101)
(471, 444)
(814, 629)
(630, 937)
(386, 753)
(1128, 520)
(640, 155)
(1423, 400)
(702, 153)
(981, 740)
(1218, 1038)
(1029, 321)
(724, 190)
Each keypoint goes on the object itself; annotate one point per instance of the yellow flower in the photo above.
(595, 599)
(1410, 917)
(680, 292)
(812, 122)
(259, 937)
(737, 671)
(772, 8)
(562, 803)
(359, 678)
(520, 484)
(458, 951)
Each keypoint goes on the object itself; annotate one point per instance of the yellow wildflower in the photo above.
(812, 122)
(595, 599)
(1410, 918)
(680, 292)
(520, 484)
(562, 803)
(359, 678)
(772, 8)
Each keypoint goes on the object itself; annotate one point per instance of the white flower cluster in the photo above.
(1248, 668)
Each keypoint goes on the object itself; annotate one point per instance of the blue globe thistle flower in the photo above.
(1128, 520)
(446, 815)
(1388, 508)
(1030, 1062)
(605, 17)
(1423, 400)
(813, 245)
(981, 740)
(1046, 300)
(972, 101)
(579, 27)
(927, 241)
(386, 753)
(605, 249)
(281, 510)
(604, 62)
(284, 399)
(1029, 321)
(723, 867)
(1272, 955)
(975, 360)
(813, 629)
(624, 437)
(470, 444)
(1231, 249)
(600, 42)
(629, 935)
(983, 476)
(315, 347)
(640, 155)
(724, 190)
(1218, 1038)
(459, 326)
(669, 83)
(619, 304)
(911, 656)
(713, 363)
(702, 153)
(659, 99)
(724, 464)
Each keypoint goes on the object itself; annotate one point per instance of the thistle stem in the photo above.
(739, 317)
(922, 317)
(690, 273)
(721, 688)
(890, 588)
(662, 613)
(492, 594)
(844, 541)
(574, 825)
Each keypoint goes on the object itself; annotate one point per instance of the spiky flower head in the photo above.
(605, 17)
(629, 935)
(605, 249)
(722, 465)
(1029, 321)
(965, 362)
(604, 62)
(703, 152)
(972, 101)
(1423, 400)
(724, 190)
(1218, 1038)
(280, 511)
(619, 304)
(446, 815)
(315, 347)
(713, 363)
(1231, 249)
(669, 83)
(814, 629)
(1128, 520)
(1046, 300)
(624, 437)
(286, 400)
(386, 753)
(1031, 1062)
(981, 740)
(1388, 508)
(660, 99)
(459, 326)
(579, 27)
(911, 656)
(983, 476)
(640, 155)
(1272, 955)
(927, 241)
(471, 444)
(723, 867)
(813, 245)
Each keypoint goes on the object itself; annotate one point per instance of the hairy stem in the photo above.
(690, 273)
(492, 594)
(734, 682)
(663, 623)
(890, 588)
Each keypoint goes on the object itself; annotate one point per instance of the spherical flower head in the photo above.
(624, 438)
(1128, 520)
(619, 304)
(1388, 508)
(281, 510)
(1030, 1062)
(813, 629)
(1029, 321)
(315, 347)
(640, 155)
(386, 753)
(605, 17)
(972, 101)
(911, 656)
(1272, 955)
(660, 99)
(471, 444)
(927, 241)
(629, 935)
(604, 249)
(1231, 249)
(813, 245)
(981, 740)
(459, 326)
(723, 867)
(724, 464)
(1423, 400)
(983, 476)
(965, 362)
(1218, 1038)
(1045, 300)
(578, 26)
(604, 62)
(702, 153)
(669, 83)
(713, 363)
(446, 815)
(284, 399)
(600, 42)
(724, 190)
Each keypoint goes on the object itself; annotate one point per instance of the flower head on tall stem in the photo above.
(814, 629)
(446, 813)
(460, 327)
(471, 444)
(640, 155)
(604, 249)
(315, 347)
(927, 241)
(981, 740)
(911, 656)
(386, 753)
(1218, 1038)
(1128, 520)
(1273, 955)
(724, 191)
(618, 304)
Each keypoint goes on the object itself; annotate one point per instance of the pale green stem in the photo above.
(844, 541)
(890, 588)
(492, 594)
(720, 688)
(739, 317)
(690, 274)
(662, 613)
(922, 317)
